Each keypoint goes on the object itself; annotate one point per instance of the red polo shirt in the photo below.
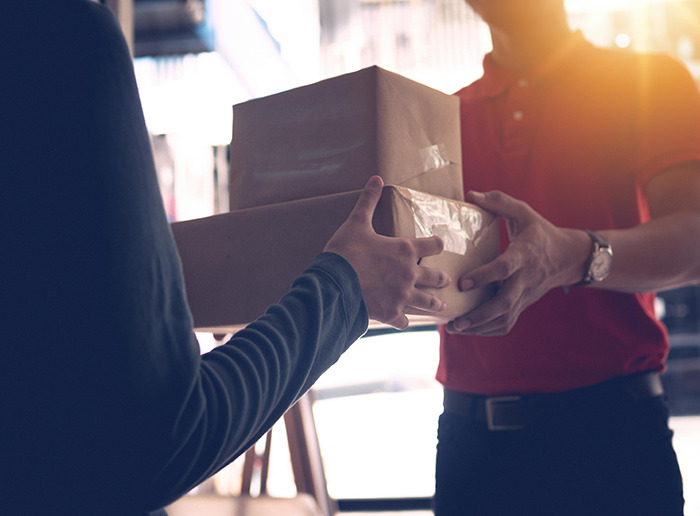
(577, 138)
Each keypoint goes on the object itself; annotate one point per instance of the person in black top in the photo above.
(107, 405)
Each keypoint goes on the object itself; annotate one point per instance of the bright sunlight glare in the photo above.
(623, 40)
(575, 6)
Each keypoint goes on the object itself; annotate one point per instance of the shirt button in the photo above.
(518, 115)
(523, 82)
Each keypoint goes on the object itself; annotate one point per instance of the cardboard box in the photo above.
(331, 136)
(237, 264)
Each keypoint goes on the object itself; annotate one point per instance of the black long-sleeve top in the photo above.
(107, 406)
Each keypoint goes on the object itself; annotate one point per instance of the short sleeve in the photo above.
(668, 121)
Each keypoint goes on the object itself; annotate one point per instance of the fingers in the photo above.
(429, 246)
(499, 203)
(432, 278)
(496, 271)
(470, 324)
(401, 288)
(400, 323)
(452, 328)
(419, 300)
(367, 203)
(464, 326)
(495, 317)
(426, 302)
(467, 323)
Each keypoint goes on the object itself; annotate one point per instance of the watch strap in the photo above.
(598, 243)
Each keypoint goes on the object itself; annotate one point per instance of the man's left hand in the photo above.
(540, 256)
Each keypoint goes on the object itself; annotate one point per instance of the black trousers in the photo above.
(602, 458)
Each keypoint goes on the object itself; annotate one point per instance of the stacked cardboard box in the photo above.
(298, 162)
(330, 137)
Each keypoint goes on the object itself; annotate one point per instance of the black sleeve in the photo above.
(107, 404)
(251, 381)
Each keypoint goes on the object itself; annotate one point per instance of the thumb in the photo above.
(367, 203)
(498, 203)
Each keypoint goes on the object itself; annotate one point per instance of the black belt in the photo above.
(517, 411)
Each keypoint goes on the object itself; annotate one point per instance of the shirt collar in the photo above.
(496, 80)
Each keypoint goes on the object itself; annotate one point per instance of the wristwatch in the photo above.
(599, 263)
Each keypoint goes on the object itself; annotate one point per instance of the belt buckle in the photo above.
(491, 418)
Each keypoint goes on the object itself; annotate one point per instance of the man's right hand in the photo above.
(388, 266)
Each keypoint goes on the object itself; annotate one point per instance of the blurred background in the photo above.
(376, 410)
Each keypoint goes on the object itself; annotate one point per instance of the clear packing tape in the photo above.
(435, 168)
(471, 239)
(460, 225)
(434, 157)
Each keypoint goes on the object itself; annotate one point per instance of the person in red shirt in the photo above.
(591, 158)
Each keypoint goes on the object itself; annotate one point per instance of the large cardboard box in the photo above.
(237, 264)
(331, 136)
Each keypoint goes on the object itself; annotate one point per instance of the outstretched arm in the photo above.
(243, 387)
(658, 255)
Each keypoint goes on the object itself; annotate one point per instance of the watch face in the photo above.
(600, 266)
